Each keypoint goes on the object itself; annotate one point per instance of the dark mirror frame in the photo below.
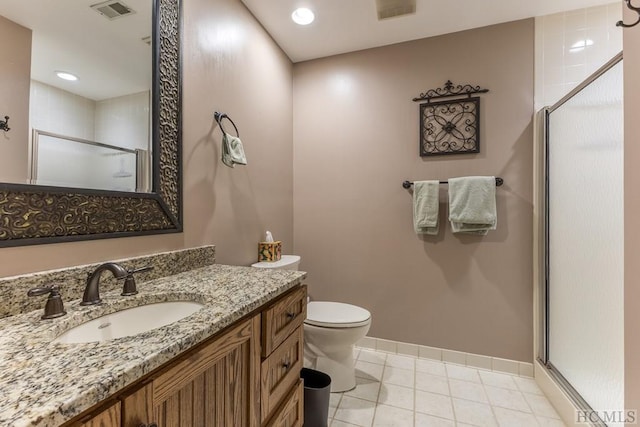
(34, 215)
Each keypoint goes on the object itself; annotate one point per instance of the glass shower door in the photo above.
(585, 325)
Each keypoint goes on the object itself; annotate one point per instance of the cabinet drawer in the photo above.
(280, 372)
(291, 412)
(282, 318)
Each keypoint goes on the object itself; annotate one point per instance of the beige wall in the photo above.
(229, 64)
(355, 141)
(632, 212)
(15, 71)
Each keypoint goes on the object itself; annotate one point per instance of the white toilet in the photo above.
(330, 332)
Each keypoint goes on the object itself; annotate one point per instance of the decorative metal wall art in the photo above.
(452, 126)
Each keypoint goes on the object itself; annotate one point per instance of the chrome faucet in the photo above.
(92, 291)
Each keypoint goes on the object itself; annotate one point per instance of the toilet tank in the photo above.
(287, 262)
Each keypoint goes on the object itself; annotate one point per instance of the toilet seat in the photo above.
(336, 315)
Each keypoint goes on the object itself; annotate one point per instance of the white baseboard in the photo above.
(489, 363)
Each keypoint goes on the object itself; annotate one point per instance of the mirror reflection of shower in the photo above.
(122, 176)
(88, 78)
(121, 172)
(62, 161)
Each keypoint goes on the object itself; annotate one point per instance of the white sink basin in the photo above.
(131, 321)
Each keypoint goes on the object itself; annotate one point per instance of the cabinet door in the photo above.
(109, 417)
(218, 385)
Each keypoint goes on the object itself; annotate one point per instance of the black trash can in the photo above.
(317, 390)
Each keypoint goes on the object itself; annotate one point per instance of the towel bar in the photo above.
(408, 184)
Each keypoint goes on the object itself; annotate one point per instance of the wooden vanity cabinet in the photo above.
(227, 381)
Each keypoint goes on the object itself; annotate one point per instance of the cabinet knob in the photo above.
(286, 365)
(290, 315)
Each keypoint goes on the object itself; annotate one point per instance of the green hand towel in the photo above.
(425, 207)
(232, 151)
(472, 204)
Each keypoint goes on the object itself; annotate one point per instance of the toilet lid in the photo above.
(284, 261)
(336, 315)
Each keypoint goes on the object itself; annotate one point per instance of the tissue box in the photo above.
(269, 251)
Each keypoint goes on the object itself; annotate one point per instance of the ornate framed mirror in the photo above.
(37, 214)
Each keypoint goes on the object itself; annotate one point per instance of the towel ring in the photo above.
(219, 117)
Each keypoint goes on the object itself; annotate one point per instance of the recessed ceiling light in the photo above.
(580, 45)
(66, 76)
(303, 16)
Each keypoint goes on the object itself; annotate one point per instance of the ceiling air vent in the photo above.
(113, 9)
(392, 8)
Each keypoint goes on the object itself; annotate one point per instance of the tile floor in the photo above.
(395, 390)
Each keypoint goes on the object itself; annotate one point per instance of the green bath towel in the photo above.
(232, 151)
(425, 207)
(472, 204)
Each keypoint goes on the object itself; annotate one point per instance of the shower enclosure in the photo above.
(582, 298)
(64, 161)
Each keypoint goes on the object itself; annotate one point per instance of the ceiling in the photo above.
(349, 25)
(109, 57)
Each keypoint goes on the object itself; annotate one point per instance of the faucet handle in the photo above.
(129, 287)
(140, 270)
(54, 306)
(36, 292)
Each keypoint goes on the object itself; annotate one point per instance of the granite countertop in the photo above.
(46, 384)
